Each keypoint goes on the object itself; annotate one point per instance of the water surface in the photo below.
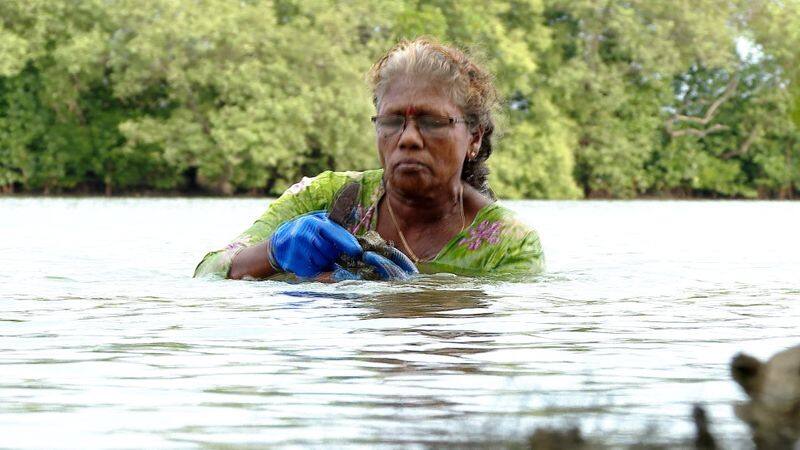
(107, 342)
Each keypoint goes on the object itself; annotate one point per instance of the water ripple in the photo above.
(108, 343)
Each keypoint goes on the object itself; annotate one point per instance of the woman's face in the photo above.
(415, 161)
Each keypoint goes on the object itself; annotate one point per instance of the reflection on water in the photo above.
(428, 302)
(105, 341)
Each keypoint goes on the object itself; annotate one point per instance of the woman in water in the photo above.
(431, 197)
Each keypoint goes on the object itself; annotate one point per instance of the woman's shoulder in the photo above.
(506, 218)
(498, 229)
(519, 249)
(496, 242)
(330, 181)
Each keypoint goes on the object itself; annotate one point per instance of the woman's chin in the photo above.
(410, 180)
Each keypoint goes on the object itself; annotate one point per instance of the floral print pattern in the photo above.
(486, 231)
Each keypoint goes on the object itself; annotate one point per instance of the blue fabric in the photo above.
(310, 244)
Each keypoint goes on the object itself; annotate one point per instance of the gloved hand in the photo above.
(396, 267)
(310, 244)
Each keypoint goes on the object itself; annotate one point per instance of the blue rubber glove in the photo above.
(310, 244)
(397, 267)
(341, 274)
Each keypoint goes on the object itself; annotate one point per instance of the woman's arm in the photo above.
(253, 262)
(310, 194)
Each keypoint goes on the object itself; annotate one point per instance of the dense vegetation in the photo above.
(603, 98)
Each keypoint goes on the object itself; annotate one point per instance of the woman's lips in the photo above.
(410, 165)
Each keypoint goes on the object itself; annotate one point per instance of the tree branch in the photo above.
(744, 146)
(695, 132)
(730, 89)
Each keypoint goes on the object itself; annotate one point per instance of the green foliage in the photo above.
(609, 98)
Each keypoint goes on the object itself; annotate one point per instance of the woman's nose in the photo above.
(410, 137)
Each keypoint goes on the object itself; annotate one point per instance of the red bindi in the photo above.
(410, 111)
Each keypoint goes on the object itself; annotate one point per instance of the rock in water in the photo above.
(556, 439)
(773, 408)
(703, 439)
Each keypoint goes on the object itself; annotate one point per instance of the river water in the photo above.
(107, 342)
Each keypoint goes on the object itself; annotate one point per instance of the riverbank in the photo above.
(199, 193)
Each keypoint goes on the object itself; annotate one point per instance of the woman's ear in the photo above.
(476, 138)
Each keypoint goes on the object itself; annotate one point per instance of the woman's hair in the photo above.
(469, 86)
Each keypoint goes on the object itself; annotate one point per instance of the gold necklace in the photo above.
(403, 238)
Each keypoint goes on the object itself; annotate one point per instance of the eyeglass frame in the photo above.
(451, 121)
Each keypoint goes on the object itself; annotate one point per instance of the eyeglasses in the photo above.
(429, 125)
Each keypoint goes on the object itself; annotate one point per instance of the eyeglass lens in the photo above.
(393, 123)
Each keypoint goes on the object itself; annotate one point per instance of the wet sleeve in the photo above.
(525, 256)
(310, 194)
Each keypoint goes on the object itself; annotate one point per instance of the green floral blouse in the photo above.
(495, 243)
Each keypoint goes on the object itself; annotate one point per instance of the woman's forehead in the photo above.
(411, 107)
(421, 96)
